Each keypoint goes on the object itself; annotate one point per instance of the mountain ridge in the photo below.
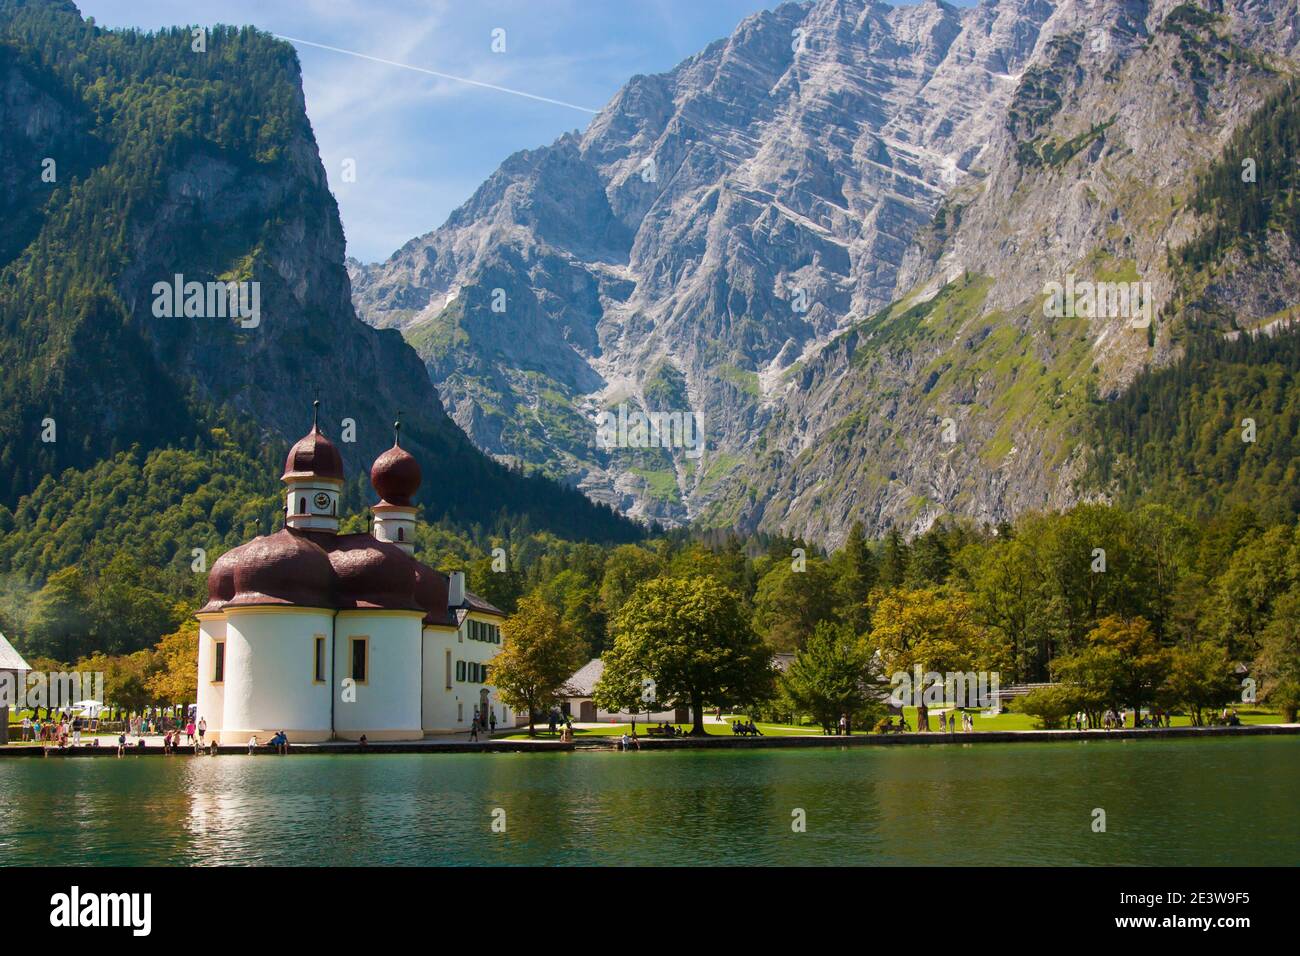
(846, 157)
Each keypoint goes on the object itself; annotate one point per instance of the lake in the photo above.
(1171, 802)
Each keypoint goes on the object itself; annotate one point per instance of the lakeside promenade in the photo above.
(459, 743)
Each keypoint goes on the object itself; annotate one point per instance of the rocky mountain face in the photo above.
(830, 235)
(132, 160)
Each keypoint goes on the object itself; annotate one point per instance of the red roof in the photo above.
(396, 476)
(313, 456)
(285, 568)
(319, 569)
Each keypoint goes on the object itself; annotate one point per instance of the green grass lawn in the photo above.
(714, 730)
(1003, 721)
(1010, 721)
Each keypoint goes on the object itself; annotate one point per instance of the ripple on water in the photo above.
(1218, 801)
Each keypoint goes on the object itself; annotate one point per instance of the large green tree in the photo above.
(1277, 668)
(831, 676)
(1121, 663)
(1200, 679)
(693, 639)
(792, 599)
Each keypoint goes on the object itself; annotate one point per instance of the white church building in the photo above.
(331, 636)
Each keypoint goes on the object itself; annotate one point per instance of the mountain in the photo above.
(830, 234)
(131, 159)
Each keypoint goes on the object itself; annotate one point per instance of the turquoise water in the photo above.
(1226, 801)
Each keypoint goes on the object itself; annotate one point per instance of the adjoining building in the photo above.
(579, 704)
(334, 636)
(13, 675)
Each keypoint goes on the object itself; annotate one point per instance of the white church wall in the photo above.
(211, 694)
(387, 705)
(270, 674)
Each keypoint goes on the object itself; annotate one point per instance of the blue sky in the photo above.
(422, 144)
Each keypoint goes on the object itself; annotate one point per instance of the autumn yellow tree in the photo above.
(176, 663)
(539, 651)
(931, 630)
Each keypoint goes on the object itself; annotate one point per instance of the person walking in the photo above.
(203, 729)
(473, 729)
(27, 729)
(492, 723)
(844, 725)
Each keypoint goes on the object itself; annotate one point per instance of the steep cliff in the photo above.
(132, 159)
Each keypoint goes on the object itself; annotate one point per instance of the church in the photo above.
(331, 636)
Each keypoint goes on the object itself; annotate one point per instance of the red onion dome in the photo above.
(396, 476)
(431, 594)
(313, 456)
(369, 573)
(221, 581)
(283, 568)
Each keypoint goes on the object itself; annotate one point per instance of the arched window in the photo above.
(302, 506)
(401, 534)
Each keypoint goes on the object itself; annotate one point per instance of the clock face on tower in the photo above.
(322, 500)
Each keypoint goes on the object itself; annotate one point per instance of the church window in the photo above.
(401, 534)
(302, 506)
(318, 662)
(360, 659)
(218, 662)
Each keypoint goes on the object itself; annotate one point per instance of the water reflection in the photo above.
(1167, 802)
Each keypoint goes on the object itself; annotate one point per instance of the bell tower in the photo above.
(313, 478)
(396, 476)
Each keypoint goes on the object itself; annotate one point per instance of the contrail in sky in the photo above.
(444, 76)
